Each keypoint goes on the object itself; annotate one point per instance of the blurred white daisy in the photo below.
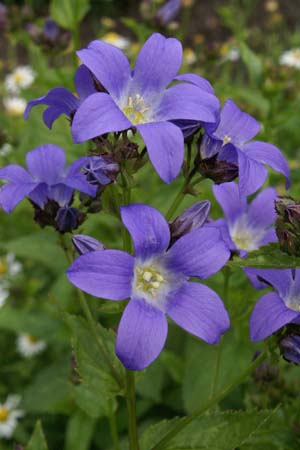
(9, 415)
(291, 58)
(29, 346)
(21, 78)
(9, 267)
(189, 56)
(15, 106)
(5, 149)
(4, 293)
(116, 39)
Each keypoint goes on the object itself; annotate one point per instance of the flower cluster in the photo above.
(114, 103)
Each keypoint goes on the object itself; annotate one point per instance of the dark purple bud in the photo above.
(266, 372)
(191, 219)
(168, 12)
(51, 30)
(68, 219)
(290, 348)
(46, 215)
(288, 225)
(101, 170)
(19, 447)
(293, 213)
(218, 171)
(85, 244)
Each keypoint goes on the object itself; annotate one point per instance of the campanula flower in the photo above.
(46, 178)
(290, 348)
(246, 227)
(168, 12)
(136, 99)
(191, 219)
(156, 281)
(276, 309)
(100, 170)
(61, 101)
(231, 140)
(85, 244)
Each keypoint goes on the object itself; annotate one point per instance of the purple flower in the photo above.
(140, 99)
(191, 219)
(61, 101)
(276, 309)
(231, 141)
(246, 227)
(46, 178)
(156, 281)
(290, 348)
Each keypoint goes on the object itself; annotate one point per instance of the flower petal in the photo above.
(59, 98)
(236, 124)
(165, 145)
(98, 115)
(103, 274)
(77, 180)
(148, 229)
(200, 311)
(50, 115)
(281, 280)
(268, 154)
(15, 174)
(84, 82)
(199, 253)
(40, 194)
(109, 65)
(270, 236)
(12, 194)
(261, 211)
(252, 174)
(192, 78)
(141, 334)
(269, 315)
(46, 163)
(157, 64)
(186, 101)
(228, 197)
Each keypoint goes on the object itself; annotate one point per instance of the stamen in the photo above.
(149, 280)
(4, 413)
(136, 109)
(226, 139)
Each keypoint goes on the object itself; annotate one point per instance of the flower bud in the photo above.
(288, 225)
(290, 348)
(101, 170)
(168, 12)
(191, 219)
(85, 244)
(218, 171)
(51, 30)
(68, 219)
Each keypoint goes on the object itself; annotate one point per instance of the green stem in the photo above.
(91, 322)
(199, 412)
(130, 380)
(131, 409)
(180, 196)
(226, 274)
(114, 430)
(76, 44)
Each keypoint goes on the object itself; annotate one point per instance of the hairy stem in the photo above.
(212, 402)
(114, 430)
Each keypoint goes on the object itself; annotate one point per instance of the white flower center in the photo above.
(245, 237)
(136, 109)
(293, 303)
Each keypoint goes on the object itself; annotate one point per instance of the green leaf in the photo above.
(79, 431)
(41, 247)
(69, 13)
(97, 381)
(201, 366)
(220, 431)
(37, 440)
(251, 61)
(267, 257)
(145, 386)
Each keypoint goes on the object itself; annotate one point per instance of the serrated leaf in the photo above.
(267, 257)
(79, 431)
(37, 440)
(220, 431)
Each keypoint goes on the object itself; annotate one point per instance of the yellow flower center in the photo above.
(135, 109)
(3, 267)
(296, 54)
(18, 77)
(148, 280)
(4, 413)
(32, 339)
(226, 139)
